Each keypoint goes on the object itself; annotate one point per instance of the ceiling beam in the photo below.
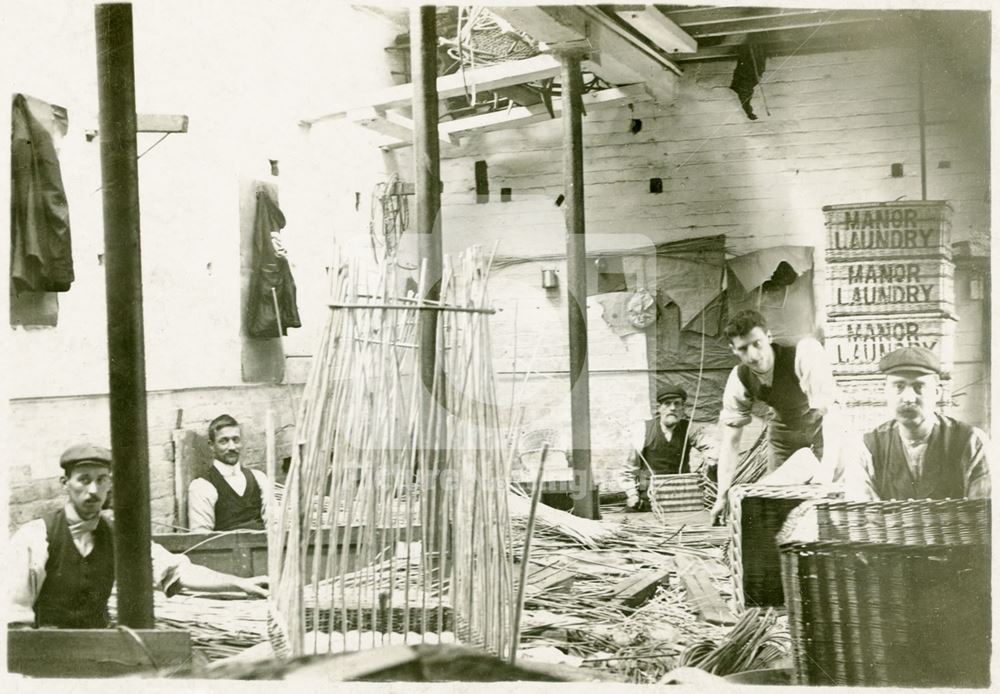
(554, 26)
(658, 28)
(615, 55)
(692, 16)
(525, 115)
(520, 116)
(620, 61)
(456, 84)
(799, 41)
(392, 124)
(820, 18)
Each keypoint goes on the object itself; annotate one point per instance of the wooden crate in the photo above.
(904, 285)
(95, 652)
(856, 344)
(244, 552)
(874, 230)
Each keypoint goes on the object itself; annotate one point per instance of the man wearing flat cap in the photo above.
(664, 446)
(62, 566)
(919, 453)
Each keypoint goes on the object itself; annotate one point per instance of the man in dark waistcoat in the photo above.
(795, 381)
(668, 444)
(228, 496)
(919, 453)
(62, 566)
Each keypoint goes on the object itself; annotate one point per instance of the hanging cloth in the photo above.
(272, 280)
(41, 257)
(750, 64)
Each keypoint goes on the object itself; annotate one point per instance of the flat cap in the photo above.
(85, 453)
(671, 391)
(912, 359)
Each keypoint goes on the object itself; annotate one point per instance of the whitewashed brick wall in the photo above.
(837, 122)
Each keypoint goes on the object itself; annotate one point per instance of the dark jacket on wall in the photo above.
(40, 251)
(270, 273)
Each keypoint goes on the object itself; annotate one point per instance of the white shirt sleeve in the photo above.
(201, 505)
(736, 402)
(26, 556)
(265, 492)
(812, 366)
(167, 568)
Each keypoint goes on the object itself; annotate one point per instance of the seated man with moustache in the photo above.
(229, 496)
(664, 445)
(62, 566)
(919, 453)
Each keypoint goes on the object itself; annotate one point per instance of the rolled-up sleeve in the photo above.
(977, 483)
(167, 568)
(26, 556)
(859, 474)
(812, 366)
(736, 403)
(201, 505)
(265, 493)
(704, 447)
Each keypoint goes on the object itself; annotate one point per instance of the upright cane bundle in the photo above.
(413, 473)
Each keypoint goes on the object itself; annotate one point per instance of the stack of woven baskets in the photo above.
(889, 593)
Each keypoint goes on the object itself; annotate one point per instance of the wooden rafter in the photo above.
(802, 20)
(515, 117)
(485, 78)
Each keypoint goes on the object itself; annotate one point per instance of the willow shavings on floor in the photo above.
(752, 644)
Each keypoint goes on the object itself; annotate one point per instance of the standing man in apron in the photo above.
(795, 381)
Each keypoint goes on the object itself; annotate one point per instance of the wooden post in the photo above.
(576, 284)
(123, 288)
(427, 177)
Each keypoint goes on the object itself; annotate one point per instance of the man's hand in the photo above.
(256, 586)
(631, 501)
(719, 510)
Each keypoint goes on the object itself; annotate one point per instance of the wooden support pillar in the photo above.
(576, 284)
(427, 178)
(123, 288)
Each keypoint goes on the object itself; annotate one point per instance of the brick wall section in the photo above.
(44, 427)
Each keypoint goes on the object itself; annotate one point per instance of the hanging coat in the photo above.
(41, 257)
(272, 278)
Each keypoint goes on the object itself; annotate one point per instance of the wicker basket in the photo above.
(874, 612)
(680, 493)
(911, 522)
(757, 513)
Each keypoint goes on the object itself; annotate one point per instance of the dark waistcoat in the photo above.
(942, 474)
(76, 589)
(665, 457)
(784, 395)
(234, 511)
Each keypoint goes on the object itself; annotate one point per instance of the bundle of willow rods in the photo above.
(589, 533)
(749, 469)
(753, 643)
(220, 626)
(419, 466)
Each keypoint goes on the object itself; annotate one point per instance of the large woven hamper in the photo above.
(867, 611)
(757, 513)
